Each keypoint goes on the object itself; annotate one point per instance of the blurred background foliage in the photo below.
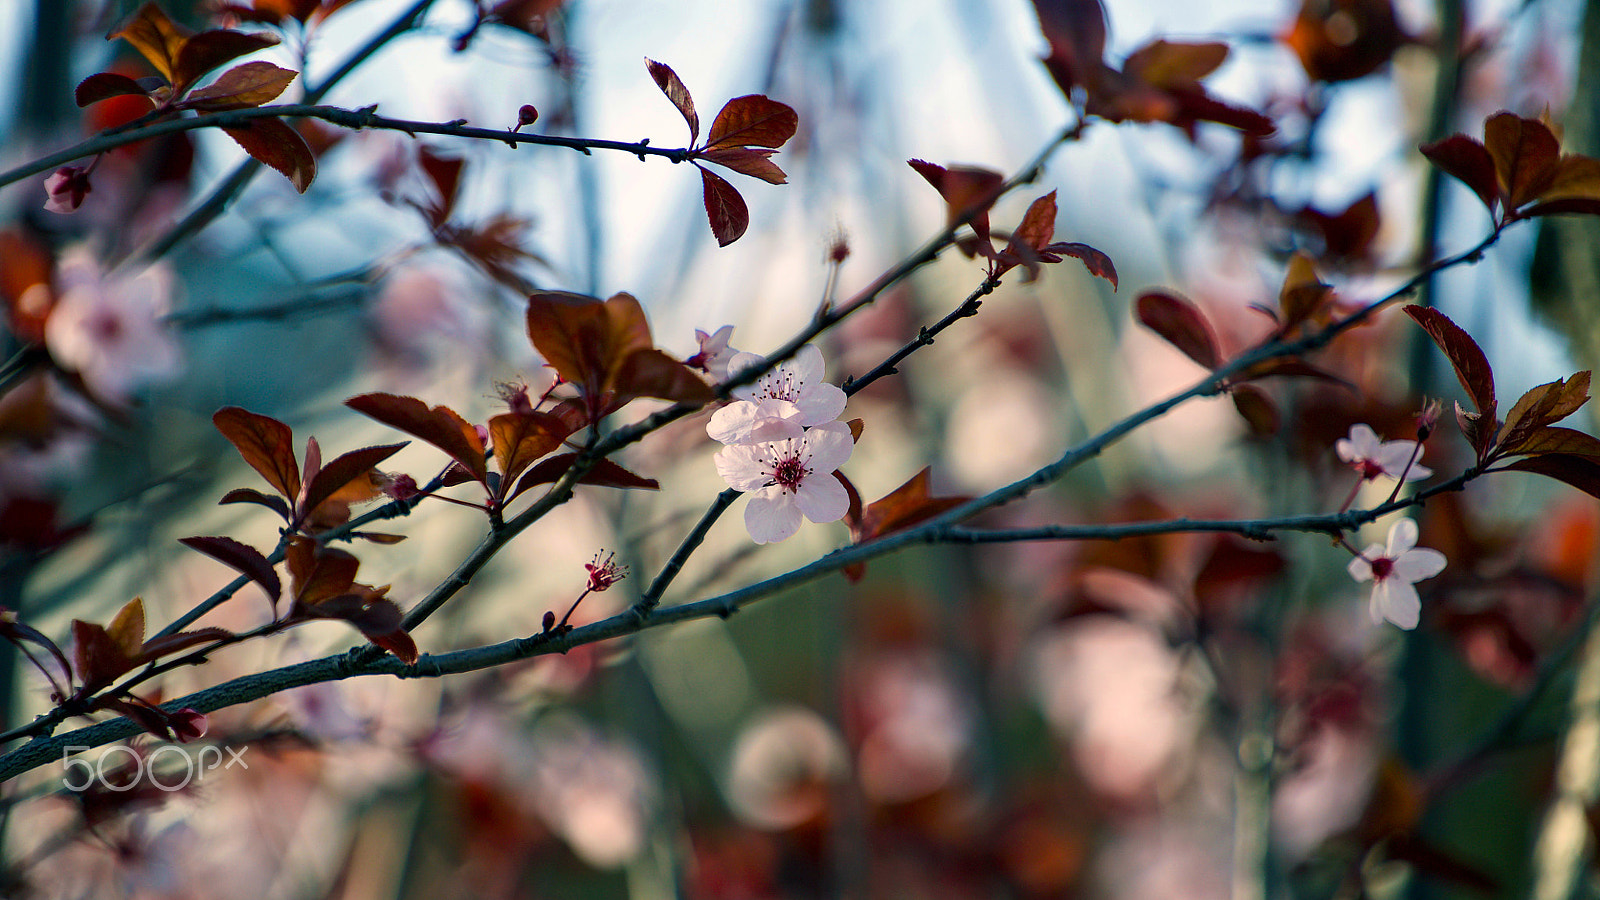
(1172, 716)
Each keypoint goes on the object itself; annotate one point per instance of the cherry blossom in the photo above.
(714, 354)
(780, 403)
(107, 326)
(789, 478)
(1393, 569)
(1370, 457)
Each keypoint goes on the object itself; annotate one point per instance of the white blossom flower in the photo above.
(714, 354)
(108, 328)
(1392, 571)
(780, 403)
(789, 478)
(1371, 457)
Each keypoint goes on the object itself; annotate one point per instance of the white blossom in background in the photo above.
(108, 328)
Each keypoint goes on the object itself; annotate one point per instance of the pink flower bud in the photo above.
(67, 188)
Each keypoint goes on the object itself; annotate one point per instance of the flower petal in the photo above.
(771, 516)
(822, 498)
(828, 445)
(819, 403)
(1360, 568)
(1402, 537)
(1398, 602)
(1419, 564)
(743, 466)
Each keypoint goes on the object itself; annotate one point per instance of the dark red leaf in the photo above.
(1257, 410)
(520, 439)
(1097, 263)
(1181, 324)
(155, 36)
(1470, 162)
(241, 87)
(1555, 439)
(334, 476)
(318, 573)
(265, 443)
(1076, 31)
(440, 426)
(105, 85)
(1526, 156)
(673, 87)
(157, 647)
(652, 373)
(968, 191)
(1581, 472)
(745, 161)
(242, 558)
(275, 144)
(903, 507)
(1471, 366)
(251, 495)
(1569, 207)
(752, 121)
(725, 209)
(97, 658)
(604, 474)
(205, 51)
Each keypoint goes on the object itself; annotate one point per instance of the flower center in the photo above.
(1382, 568)
(789, 472)
(1369, 469)
(779, 385)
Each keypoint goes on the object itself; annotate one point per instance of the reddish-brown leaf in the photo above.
(1577, 178)
(1303, 294)
(1569, 207)
(604, 474)
(1076, 31)
(1470, 162)
(250, 84)
(1096, 262)
(342, 471)
(265, 443)
(1038, 224)
(584, 339)
(652, 373)
(1526, 155)
(157, 647)
(967, 191)
(105, 85)
(673, 87)
(374, 615)
(725, 209)
(243, 558)
(1349, 233)
(1178, 321)
(520, 439)
(97, 658)
(275, 144)
(318, 573)
(1581, 472)
(205, 51)
(902, 508)
(440, 426)
(1167, 64)
(1472, 367)
(156, 37)
(251, 495)
(755, 163)
(752, 121)
(1555, 439)
(1257, 410)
